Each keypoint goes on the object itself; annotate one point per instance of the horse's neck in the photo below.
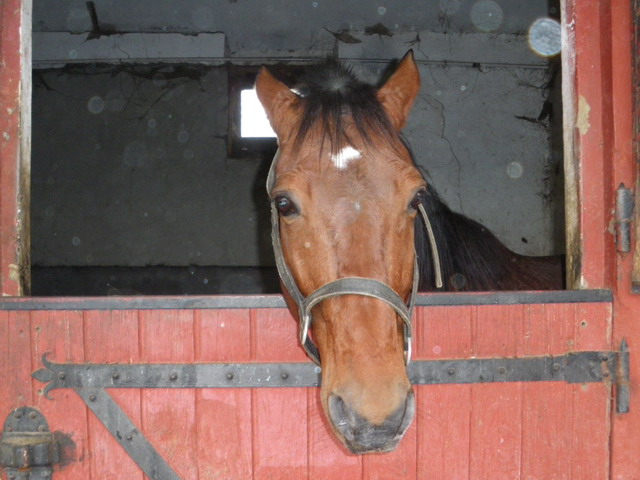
(472, 258)
(463, 263)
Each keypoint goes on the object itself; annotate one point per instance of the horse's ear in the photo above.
(278, 101)
(399, 92)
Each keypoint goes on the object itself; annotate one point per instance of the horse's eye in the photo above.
(418, 198)
(285, 206)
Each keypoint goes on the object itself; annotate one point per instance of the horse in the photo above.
(356, 231)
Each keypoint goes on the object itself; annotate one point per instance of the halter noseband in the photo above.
(367, 287)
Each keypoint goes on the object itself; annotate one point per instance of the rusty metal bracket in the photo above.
(127, 434)
(28, 449)
(578, 367)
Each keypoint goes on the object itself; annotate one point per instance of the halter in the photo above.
(367, 287)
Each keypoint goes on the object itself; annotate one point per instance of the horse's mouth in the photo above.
(360, 436)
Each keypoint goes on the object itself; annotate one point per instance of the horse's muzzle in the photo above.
(360, 435)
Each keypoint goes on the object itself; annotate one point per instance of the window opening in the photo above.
(250, 135)
(253, 119)
(166, 185)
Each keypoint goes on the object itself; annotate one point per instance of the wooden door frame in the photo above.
(622, 159)
(600, 155)
(15, 145)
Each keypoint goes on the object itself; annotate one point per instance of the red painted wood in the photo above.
(496, 410)
(591, 23)
(13, 218)
(224, 446)
(9, 394)
(443, 416)
(61, 335)
(547, 407)
(592, 407)
(280, 423)
(169, 415)
(15, 366)
(625, 463)
(113, 337)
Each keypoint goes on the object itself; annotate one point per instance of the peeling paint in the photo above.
(14, 272)
(582, 119)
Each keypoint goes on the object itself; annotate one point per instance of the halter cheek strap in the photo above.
(368, 287)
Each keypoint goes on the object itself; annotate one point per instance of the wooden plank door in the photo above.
(538, 430)
(544, 430)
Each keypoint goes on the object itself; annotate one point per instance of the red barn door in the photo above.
(492, 428)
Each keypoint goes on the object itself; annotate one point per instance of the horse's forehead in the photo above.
(347, 171)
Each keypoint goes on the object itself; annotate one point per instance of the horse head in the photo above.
(345, 194)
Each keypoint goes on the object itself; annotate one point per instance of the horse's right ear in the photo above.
(278, 101)
(399, 92)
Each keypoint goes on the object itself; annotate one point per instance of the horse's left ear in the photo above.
(399, 92)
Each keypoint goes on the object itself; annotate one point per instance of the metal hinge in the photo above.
(28, 449)
(91, 381)
(624, 216)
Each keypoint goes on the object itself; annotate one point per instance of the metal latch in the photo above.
(28, 449)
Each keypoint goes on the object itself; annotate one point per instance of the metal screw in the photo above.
(129, 437)
(229, 376)
(451, 370)
(42, 428)
(502, 370)
(92, 398)
(173, 377)
(62, 376)
(33, 415)
(18, 415)
(284, 375)
(556, 367)
(115, 375)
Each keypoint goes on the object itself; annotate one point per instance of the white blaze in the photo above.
(342, 159)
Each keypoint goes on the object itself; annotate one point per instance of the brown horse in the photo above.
(346, 195)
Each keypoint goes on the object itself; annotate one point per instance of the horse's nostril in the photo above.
(341, 417)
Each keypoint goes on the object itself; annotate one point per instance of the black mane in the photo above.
(330, 93)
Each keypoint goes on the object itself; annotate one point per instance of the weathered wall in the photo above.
(130, 168)
(477, 132)
(130, 164)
